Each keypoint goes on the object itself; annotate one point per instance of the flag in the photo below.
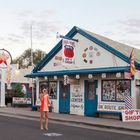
(132, 64)
(128, 102)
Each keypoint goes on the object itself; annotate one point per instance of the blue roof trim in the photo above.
(54, 51)
(71, 34)
(80, 71)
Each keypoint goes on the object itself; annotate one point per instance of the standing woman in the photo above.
(44, 108)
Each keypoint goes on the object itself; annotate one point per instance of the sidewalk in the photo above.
(75, 119)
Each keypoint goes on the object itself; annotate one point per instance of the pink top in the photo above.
(45, 103)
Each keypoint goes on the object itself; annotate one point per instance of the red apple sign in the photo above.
(68, 51)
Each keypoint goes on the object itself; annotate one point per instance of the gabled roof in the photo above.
(120, 50)
(125, 49)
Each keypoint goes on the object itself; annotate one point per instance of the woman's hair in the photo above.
(45, 89)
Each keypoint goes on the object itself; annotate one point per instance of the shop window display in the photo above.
(64, 94)
(53, 90)
(115, 90)
(51, 86)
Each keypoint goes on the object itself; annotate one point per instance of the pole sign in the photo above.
(5, 58)
(5, 61)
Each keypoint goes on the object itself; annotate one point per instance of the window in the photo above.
(115, 90)
(51, 86)
(64, 91)
(53, 89)
(90, 91)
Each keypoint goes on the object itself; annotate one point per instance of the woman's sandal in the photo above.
(46, 129)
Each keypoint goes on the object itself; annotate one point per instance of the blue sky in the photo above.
(116, 19)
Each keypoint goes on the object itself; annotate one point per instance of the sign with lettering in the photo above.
(68, 52)
(77, 100)
(18, 100)
(111, 107)
(131, 115)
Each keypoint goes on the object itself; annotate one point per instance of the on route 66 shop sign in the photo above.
(68, 48)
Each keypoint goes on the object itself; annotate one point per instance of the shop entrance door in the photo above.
(90, 98)
(64, 98)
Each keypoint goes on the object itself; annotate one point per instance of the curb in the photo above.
(74, 122)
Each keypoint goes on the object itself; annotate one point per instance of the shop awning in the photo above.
(79, 71)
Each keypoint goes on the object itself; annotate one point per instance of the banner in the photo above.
(110, 107)
(68, 52)
(131, 115)
(18, 100)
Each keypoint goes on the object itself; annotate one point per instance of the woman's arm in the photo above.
(41, 97)
(49, 102)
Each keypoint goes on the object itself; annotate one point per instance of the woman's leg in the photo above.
(41, 120)
(46, 120)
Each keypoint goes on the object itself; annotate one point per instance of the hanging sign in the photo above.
(66, 80)
(68, 52)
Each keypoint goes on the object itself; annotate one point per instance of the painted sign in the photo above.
(131, 115)
(57, 60)
(77, 100)
(111, 107)
(89, 54)
(17, 100)
(68, 50)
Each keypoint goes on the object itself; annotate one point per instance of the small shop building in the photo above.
(88, 74)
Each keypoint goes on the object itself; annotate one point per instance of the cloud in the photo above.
(44, 28)
(131, 22)
(43, 24)
(1, 38)
(126, 31)
(16, 36)
(130, 25)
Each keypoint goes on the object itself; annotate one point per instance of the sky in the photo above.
(118, 20)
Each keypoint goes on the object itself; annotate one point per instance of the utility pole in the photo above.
(32, 64)
(31, 45)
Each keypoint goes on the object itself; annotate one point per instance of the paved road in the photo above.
(19, 129)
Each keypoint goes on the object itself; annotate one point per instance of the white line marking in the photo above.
(52, 134)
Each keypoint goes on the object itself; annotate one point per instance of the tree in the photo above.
(25, 59)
